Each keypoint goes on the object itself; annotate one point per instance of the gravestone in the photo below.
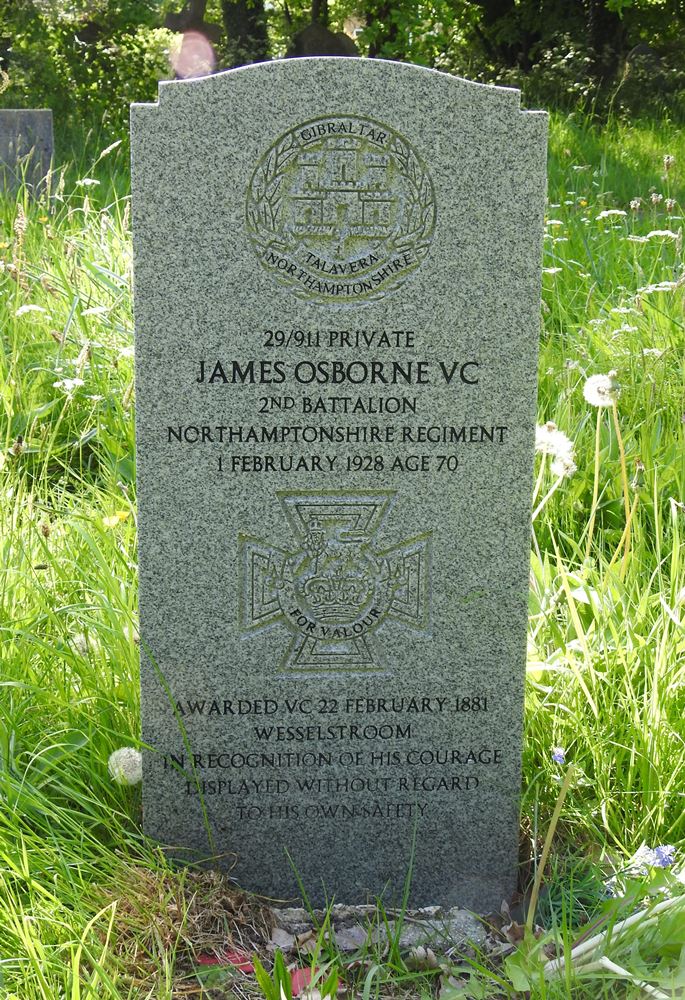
(337, 280)
(26, 147)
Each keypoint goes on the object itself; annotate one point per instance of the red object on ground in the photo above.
(238, 959)
(300, 980)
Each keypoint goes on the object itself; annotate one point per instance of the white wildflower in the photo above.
(601, 390)
(655, 352)
(656, 198)
(87, 182)
(68, 385)
(623, 310)
(665, 233)
(670, 204)
(662, 286)
(669, 161)
(608, 212)
(635, 204)
(551, 270)
(126, 766)
(554, 222)
(22, 310)
(637, 239)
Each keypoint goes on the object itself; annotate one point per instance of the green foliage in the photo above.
(86, 61)
(276, 986)
(606, 649)
(89, 59)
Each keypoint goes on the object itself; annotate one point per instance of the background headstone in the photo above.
(337, 271)
(26, 147)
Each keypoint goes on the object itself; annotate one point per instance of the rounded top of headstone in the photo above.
(350, 67)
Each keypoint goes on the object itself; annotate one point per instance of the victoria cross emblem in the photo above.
(336, 588)
(341, 209)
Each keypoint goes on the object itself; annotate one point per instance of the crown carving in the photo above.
(337, 596)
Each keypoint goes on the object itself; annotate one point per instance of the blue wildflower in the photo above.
(558, 755)
(663, 856)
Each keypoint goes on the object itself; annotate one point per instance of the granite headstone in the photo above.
(26, 147)
(337, 271)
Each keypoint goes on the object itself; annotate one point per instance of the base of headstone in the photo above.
(26, 148)
(354, 927)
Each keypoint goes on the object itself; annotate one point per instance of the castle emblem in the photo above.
(341, 209)
(336, 588)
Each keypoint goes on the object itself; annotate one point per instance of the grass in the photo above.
(89, 908)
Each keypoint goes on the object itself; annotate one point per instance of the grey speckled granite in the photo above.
(337, 271)
(26, 147)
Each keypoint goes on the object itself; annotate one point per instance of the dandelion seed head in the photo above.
(551, 441)
(126, 766)
(80, 643)
(564, 466)
(602, 390)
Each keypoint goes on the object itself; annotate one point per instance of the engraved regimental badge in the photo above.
(341, 209)
(336, 588)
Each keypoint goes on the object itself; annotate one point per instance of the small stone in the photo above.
(281, 940)
(351, 938)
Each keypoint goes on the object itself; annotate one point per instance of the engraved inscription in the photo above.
(336, 589)
(341, 209)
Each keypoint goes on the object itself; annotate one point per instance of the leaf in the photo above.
(270, 991)
(519, 979)
(238, 959)
(300, 979)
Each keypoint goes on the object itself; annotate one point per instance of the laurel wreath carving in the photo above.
(265, 200)
(420, 216)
